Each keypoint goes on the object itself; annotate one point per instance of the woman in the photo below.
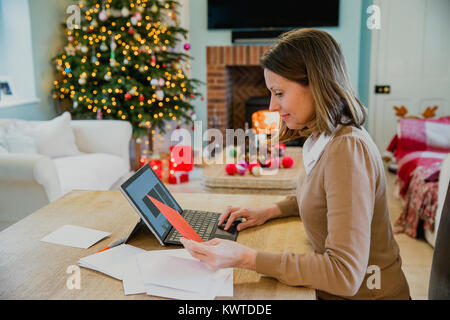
(341, 197)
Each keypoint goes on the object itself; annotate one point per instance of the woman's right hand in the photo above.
(253, 217)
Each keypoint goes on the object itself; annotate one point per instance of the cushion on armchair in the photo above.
(54, 138)
(90, 171)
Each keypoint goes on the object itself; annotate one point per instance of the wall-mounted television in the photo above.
(247, 15)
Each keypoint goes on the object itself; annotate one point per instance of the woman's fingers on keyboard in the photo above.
(229, 210)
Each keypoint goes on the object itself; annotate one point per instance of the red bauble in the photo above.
(287, 162)
(141, 98)
(231, 169)
(130, 31)
(127, 96)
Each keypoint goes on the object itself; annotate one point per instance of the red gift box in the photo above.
(155, 164)
(178, 177)
(181, 158)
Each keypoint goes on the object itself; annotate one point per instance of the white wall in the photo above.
(39, 36)
(16, 59)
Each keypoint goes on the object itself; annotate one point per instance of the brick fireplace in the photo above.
(234, 75)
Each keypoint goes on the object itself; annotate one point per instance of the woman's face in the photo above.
(293, 101)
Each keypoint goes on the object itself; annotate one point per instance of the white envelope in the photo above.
(74, 236)
(174, 272)
(112, 261)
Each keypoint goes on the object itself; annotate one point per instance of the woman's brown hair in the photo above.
(313, 58)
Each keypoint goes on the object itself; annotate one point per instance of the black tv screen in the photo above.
(272, 14)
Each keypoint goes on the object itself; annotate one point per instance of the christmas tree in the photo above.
(126, 60)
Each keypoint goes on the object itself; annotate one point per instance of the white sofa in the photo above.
(29, 180)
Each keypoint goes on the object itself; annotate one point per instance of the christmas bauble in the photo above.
(187, 46)
(127, 96)
(84, 49)
(287, 162)
(125, 12)
(130, 31)
(141, 98)
(242, 163)
(107, 76)
(154, 8)
(231, 169)
(154, 82)
(241, 170)
(136, 18)
(82, 81)
(159, 94)
(256, 171)
(103, 16)
(232, 152)
(251, 165)
(103, 47)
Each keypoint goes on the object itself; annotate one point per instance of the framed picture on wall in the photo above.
(7, 90)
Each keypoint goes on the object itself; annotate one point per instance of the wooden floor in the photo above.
(416, 254)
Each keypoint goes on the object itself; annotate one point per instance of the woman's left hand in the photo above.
(220, 253)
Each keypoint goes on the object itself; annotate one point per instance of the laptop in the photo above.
(145, 182)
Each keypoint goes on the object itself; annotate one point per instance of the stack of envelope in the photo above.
(164, 273)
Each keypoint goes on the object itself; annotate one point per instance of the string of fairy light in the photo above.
(112, 89)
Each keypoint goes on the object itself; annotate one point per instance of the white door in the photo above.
(411, 54)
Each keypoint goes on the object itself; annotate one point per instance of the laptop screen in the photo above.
(146, 182)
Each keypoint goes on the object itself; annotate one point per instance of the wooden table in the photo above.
(31, 269)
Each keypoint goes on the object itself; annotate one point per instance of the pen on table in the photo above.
(112, 245)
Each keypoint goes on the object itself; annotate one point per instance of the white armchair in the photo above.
(31, 181)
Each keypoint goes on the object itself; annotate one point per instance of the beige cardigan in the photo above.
(343, 206)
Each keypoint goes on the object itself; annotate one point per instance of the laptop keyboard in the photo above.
(202, 222)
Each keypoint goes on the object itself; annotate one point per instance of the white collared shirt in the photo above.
(314, 147)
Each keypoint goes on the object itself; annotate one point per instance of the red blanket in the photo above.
(419, 142)
(419, 148)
